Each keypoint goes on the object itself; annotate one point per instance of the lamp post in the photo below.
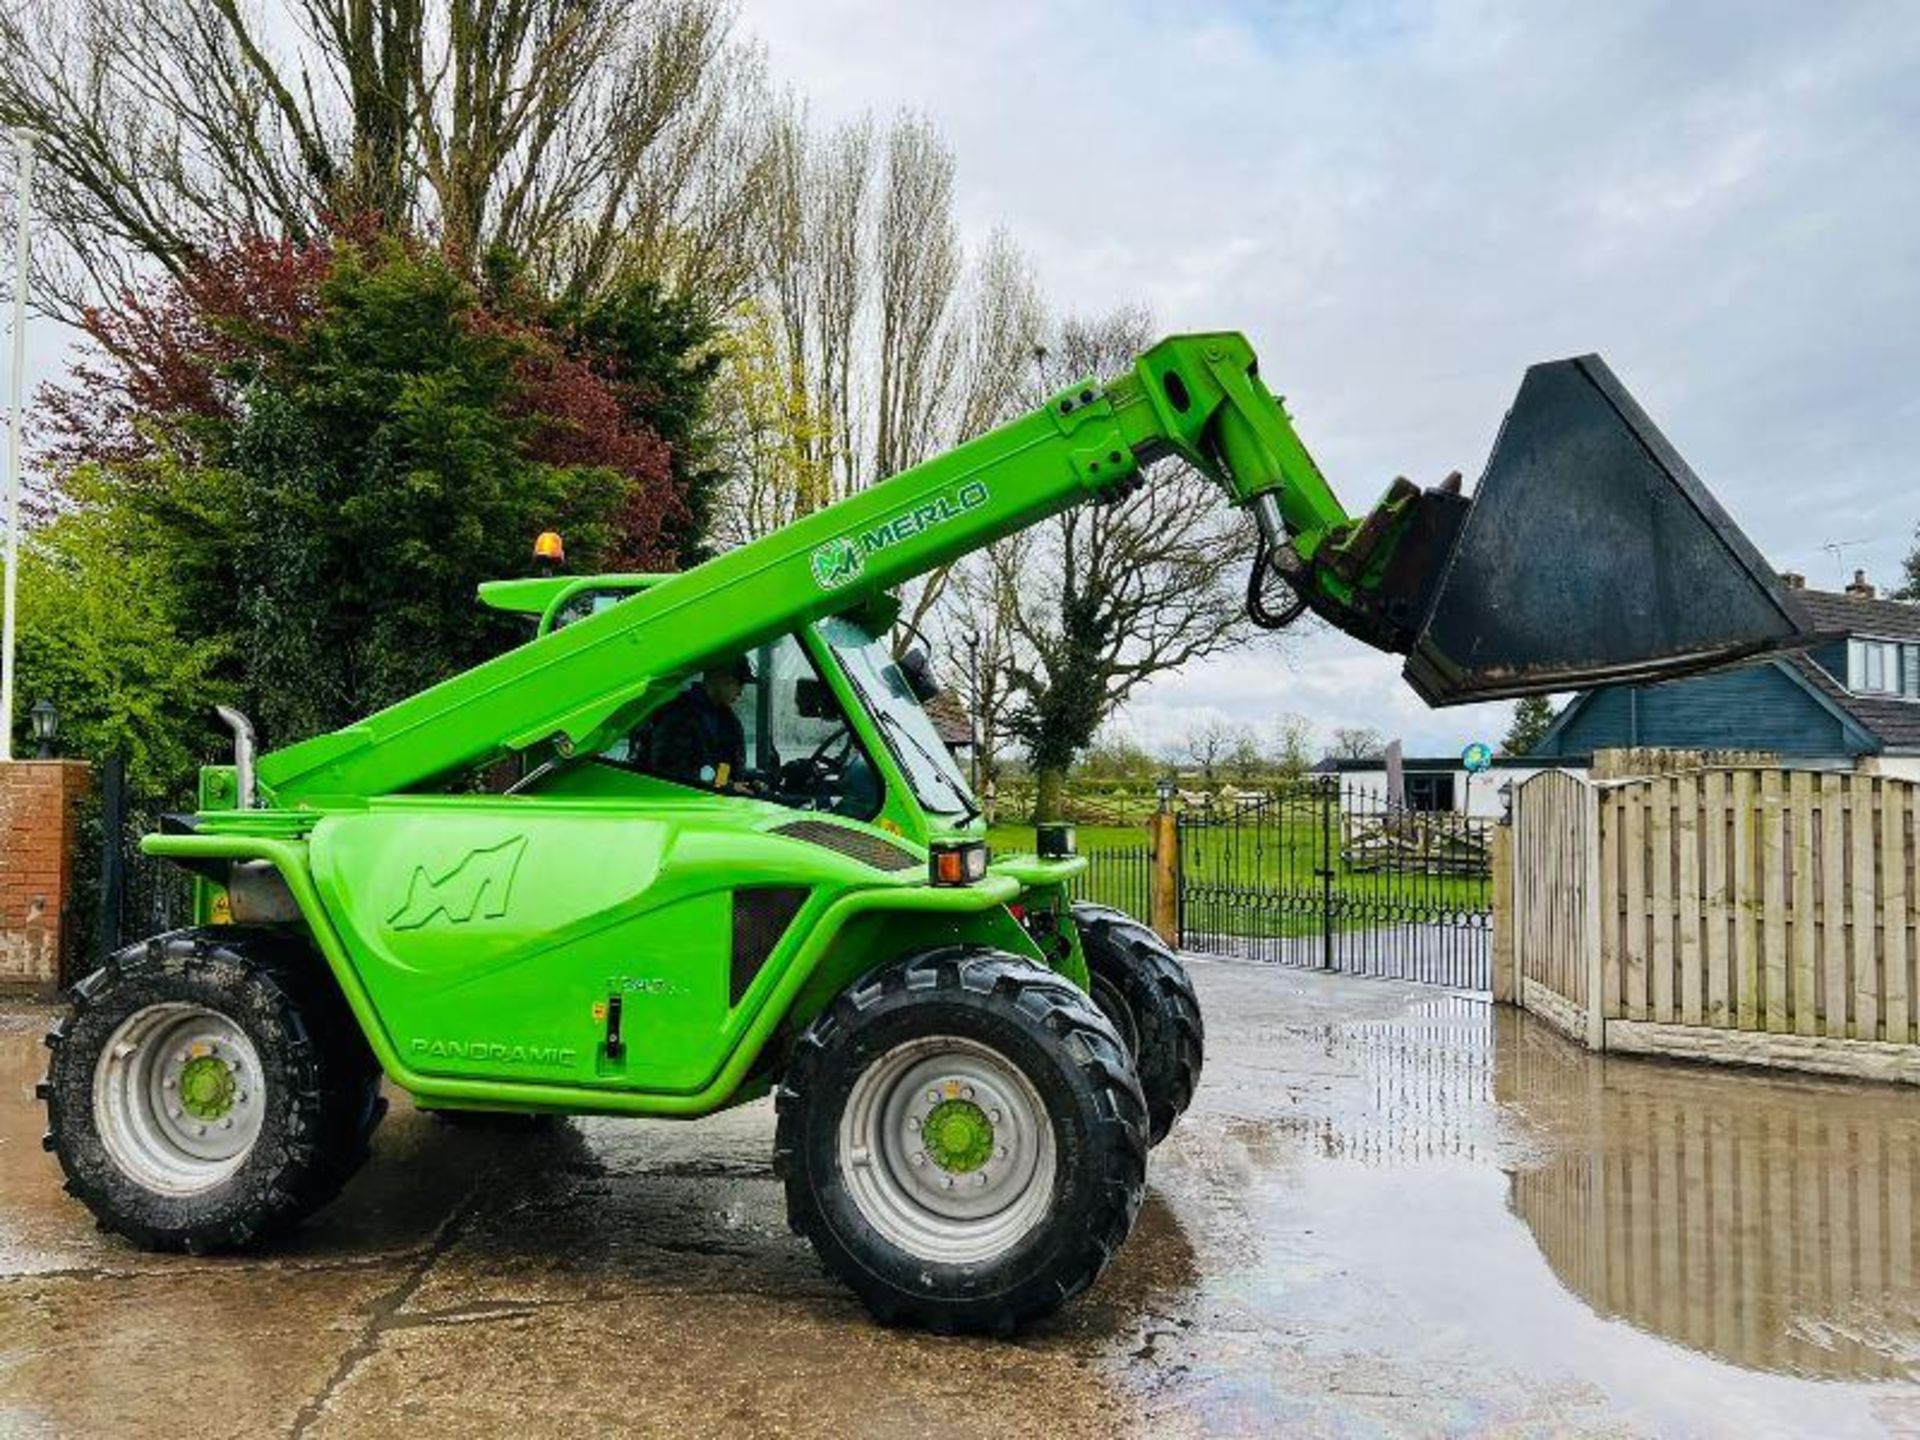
(973, 710)
(46, 725)
(1163, 789)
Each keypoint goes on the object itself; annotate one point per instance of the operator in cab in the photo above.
(695, 738)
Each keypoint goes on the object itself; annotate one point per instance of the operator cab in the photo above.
(771, 725)
(765, 725)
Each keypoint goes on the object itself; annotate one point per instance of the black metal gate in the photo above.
(127, 895)
(1333, 876)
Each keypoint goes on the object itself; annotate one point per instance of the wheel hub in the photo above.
(206, 1087)
(948, 1149)
(958, 1136)
(969, 1134)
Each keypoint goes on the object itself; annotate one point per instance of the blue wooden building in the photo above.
(1854, 698)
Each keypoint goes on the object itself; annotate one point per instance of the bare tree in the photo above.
(1216, 743)
(1356, 742)
(871, 337)
(917, 271)
(992, 353)
(1243, 756)
(979, 623)
(589, 135)
(1290, 746)
(812, 269)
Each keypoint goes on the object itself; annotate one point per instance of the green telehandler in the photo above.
(737, 858)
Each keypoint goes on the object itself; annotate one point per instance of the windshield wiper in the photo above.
(968, 810)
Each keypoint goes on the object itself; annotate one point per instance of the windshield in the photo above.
(929, 765)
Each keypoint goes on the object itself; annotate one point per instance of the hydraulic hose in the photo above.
(1257, 610)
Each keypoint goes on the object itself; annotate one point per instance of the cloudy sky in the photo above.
(1406, 204)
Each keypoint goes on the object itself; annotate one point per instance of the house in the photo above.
(951, 723)
(1852, 702)
(1433, 783)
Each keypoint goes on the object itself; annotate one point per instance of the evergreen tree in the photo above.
(285, 474)
(1911, 590)
(1531, 719)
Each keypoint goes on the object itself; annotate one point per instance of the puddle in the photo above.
(1390, 1211)
(1765, 1221)
(1438, 1217)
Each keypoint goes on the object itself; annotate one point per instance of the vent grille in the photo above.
(760, 917)
(854, 844)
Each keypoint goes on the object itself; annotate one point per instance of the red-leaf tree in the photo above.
(321, 447)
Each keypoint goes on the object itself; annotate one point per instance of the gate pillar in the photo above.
(1506, 989)
(39, 822)
(1163, 844)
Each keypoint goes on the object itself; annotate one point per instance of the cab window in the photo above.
(583, 603)
(763, 724)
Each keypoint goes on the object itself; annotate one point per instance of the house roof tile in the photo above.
(948, 712)
(1896, 722)
(1857, 615)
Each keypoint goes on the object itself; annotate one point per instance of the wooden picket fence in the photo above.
(1557, 900)
(1681, 911)
(1767, 901)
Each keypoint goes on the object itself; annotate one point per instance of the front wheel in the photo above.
(962, 1140)
(207, 1088)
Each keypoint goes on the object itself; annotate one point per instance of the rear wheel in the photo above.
(962, 1140)
(209, 1087)
(1141, 986)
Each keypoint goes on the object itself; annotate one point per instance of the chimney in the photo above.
(1860, 586)
(1793, 580)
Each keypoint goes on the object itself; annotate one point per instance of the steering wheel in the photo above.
(811, 776)
(843, 737)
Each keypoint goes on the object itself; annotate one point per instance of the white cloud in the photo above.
(1405, 204)
(1332, 681)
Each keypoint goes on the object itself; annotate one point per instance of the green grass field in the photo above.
(1263, 884)
(1092, 837)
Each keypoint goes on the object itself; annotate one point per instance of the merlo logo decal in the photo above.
(836, 563)
(480, 884)
(840, 562)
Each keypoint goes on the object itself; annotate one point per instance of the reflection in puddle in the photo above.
(1765, 1221)
(1688, 1216)
(1428, 1086)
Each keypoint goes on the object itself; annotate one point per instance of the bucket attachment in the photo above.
(1589, 555)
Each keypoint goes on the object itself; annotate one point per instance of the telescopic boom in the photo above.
(1588, 491)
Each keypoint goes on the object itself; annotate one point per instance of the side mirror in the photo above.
(919, 672)
(814, 700)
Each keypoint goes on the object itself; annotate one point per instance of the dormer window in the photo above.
(1883, 667)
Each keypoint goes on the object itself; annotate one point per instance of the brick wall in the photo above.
(39, 813)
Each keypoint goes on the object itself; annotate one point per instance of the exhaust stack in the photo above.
(243, 751)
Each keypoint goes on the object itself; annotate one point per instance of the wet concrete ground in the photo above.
(1391, 1211)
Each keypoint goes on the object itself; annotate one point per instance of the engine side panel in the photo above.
(563, 942)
